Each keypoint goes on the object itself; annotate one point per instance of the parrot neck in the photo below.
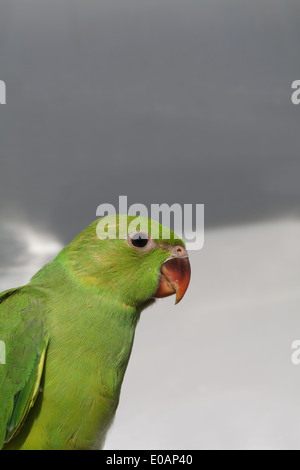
(93, 306)
(91, 335)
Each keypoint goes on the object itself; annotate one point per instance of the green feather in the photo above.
(69, 336)
(23, 331)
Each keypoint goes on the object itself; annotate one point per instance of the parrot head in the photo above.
(132, 259)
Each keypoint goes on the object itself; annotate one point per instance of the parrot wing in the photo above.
(22, 331)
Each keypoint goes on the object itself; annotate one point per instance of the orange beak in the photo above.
(174, 278)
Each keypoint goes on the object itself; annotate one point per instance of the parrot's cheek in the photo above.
(174, 278)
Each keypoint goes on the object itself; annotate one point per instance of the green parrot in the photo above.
(69, 333)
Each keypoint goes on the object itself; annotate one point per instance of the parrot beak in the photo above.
(175, 276)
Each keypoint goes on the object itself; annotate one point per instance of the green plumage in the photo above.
(69, 335)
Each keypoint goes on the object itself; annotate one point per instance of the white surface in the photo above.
(215, 371)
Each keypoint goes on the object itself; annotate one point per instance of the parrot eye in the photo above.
(139, 239)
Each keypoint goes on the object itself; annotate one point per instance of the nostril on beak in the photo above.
(180, 251)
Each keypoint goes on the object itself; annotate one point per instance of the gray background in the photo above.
(169, 101)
